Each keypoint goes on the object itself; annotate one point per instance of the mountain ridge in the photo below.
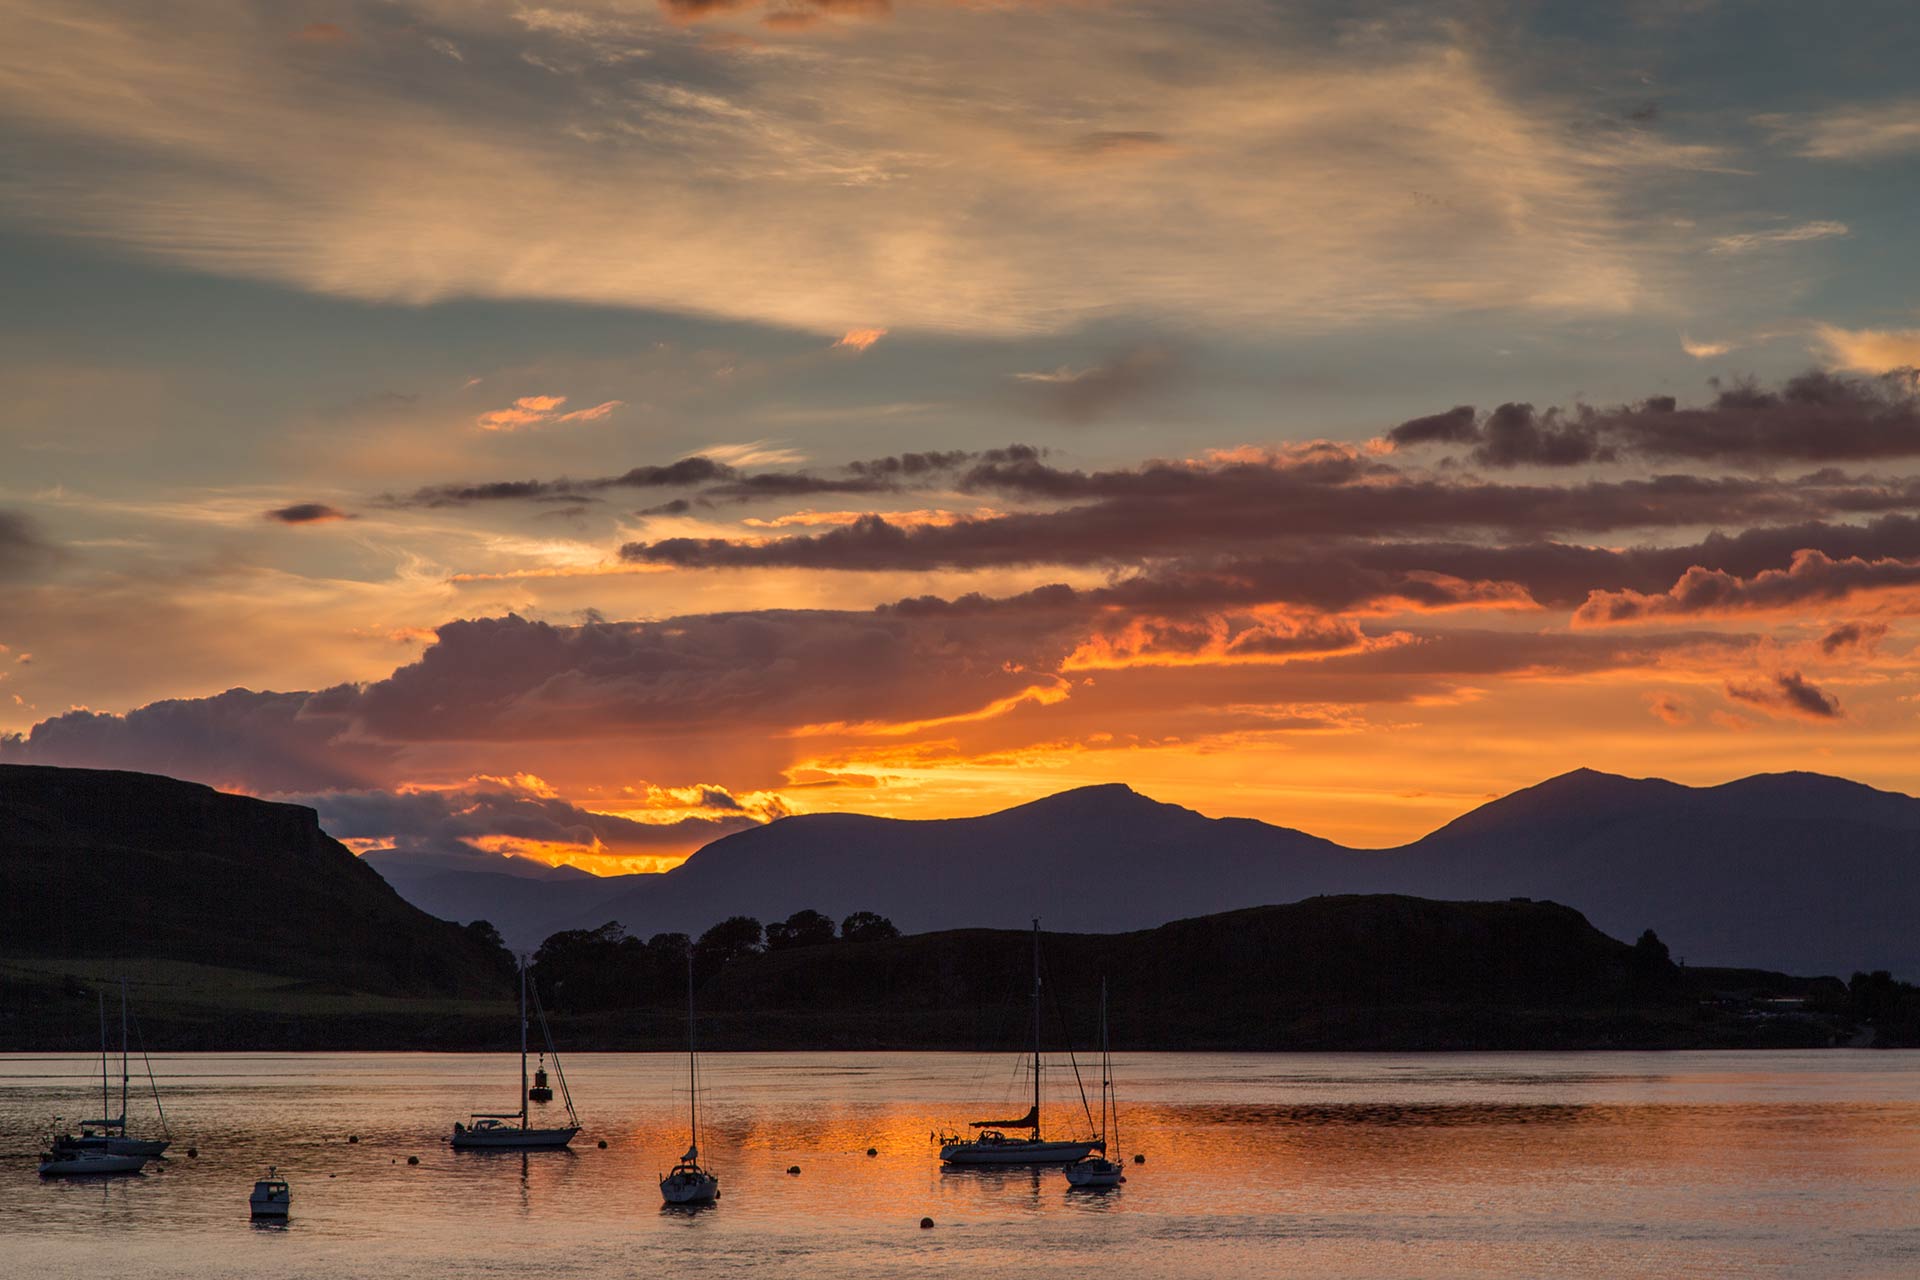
(1797, 869)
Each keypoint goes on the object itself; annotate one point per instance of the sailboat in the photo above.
(1105, 1169)
(688, 1183)
(509, 1130)
(108, 1135)
(993, 1146)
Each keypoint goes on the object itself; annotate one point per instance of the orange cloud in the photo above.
(1038, 694)
(534, 411)
(1869, 350)
(860, 339)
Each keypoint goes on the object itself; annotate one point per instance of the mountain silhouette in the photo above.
(1794, 871)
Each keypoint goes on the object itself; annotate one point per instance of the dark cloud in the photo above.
(1458, 425)
(1818, 417)
(1865, 636)
(1514, 435)
(912, 466)
(305, 513)
(1082, 395)
(1787, 693)
(22, 549)
(510, 679)
(240, 740)
(1247, 505)
(688, 471)
(1810, 577)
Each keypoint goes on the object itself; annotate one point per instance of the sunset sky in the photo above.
(587, 429)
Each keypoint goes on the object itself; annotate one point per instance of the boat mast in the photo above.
(1036, 1028)
(123, 1054)
(1106, 1077)
(693, 1092)
(523, 1043)
(103, 1057)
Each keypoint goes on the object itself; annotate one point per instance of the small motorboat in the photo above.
(87, 1163)
(271, 1196)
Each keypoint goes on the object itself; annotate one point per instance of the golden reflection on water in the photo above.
(1348, 1165)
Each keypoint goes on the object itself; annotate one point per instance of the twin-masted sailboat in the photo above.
(510, 1130)
(993, 1146)
(107, 1135)
(688, 1182)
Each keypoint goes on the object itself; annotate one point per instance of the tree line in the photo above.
(588, 970)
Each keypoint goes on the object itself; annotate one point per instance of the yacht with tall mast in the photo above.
(993, 1145)
(1105, 1169)
(509, 1130)
(688, 1182)
(107, 1135)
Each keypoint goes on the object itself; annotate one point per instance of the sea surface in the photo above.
(1364, 1165)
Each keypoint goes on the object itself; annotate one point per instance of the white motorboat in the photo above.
(271, 1197)
(688, 1182)
(993, 1145)
(108, 1134)
(83, 1164)
(1105, 1169)
(509, 1130)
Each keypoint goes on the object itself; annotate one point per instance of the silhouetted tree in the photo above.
(493, 946)
(730, 940)
(801, 929)
(867, 926)
(1650, 967)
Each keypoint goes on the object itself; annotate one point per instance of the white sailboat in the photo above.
(993, 1146)
(1105, 1169)
(688, 1183)
(509, 1130)
(108, 1135)
(81, 1164)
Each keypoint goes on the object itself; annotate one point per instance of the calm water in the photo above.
(1374, 1165)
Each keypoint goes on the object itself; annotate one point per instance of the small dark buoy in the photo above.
(872, 1151)
(193, 1153)
(353, 1137)
(413, 1159)
(333, 1175)
(926, 1223)
(603, 1144)
(793, 1168)
(1139, 1159)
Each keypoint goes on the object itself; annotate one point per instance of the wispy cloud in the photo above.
(1748, 241)
(1867, 131)
(830, 191)
(540, 411)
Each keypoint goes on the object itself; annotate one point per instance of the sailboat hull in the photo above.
(82, 1164)
(505, 1139)
(148, 1147)
(690, 1188)
(1015, 1151)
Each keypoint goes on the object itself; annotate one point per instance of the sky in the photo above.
(579, 431)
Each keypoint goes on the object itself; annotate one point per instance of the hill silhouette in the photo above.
(1347, 973)
(107, 866)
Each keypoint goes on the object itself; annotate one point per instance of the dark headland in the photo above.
(242, 926)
